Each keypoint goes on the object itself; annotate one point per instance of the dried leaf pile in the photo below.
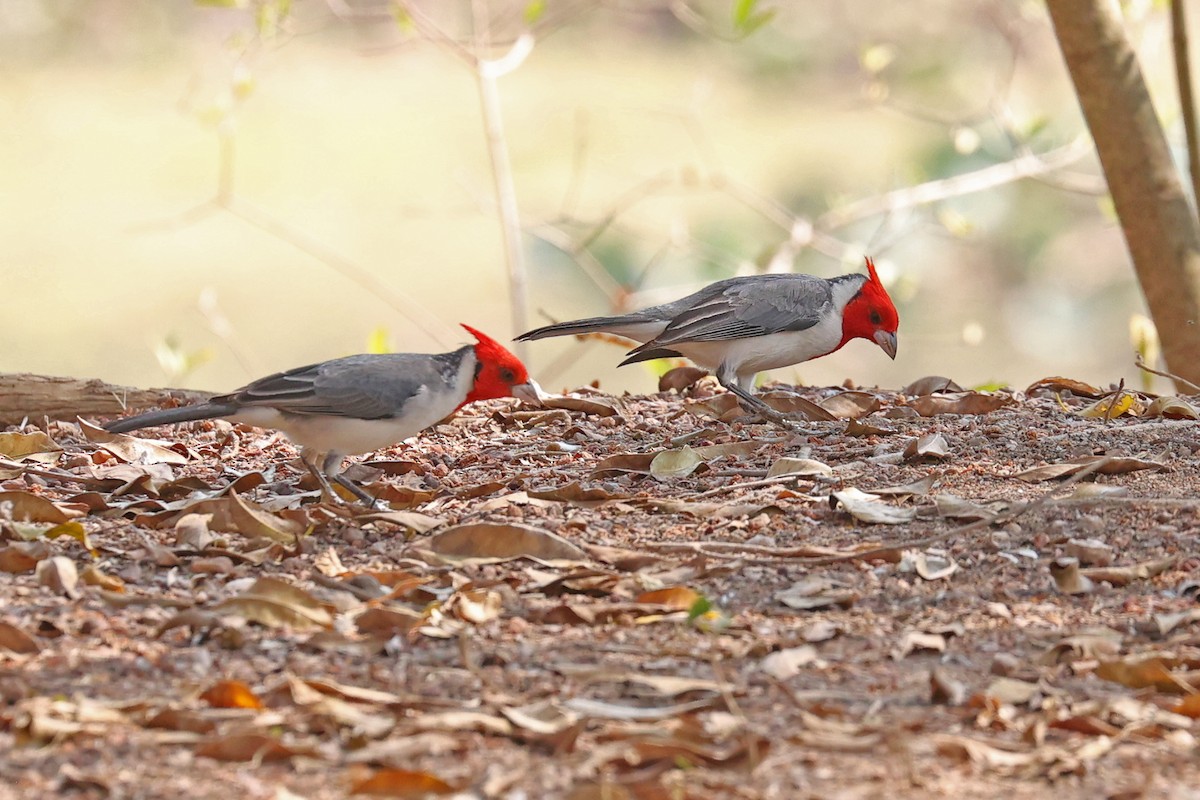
(930, 592)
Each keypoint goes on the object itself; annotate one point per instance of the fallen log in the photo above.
(34, 397)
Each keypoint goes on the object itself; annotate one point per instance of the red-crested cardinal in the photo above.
(360, 403)
(740, 326)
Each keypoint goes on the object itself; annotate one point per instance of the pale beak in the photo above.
(886, 340)
(529, 392)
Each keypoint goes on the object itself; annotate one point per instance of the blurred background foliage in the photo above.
(196, 194)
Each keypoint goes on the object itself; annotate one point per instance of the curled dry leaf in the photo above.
(191, 530)
(36, 446)
(402, 783)
(276, 603)
(231, 694)
(798, 466)
(412, 520)
(576, 494)
(933, 445)
(15, 640)
(930, 384)
(491, 542)
(870, 509)
(93, 576)
(1103, 644)
(945, 690)
(918, 488)
(930, 565)
(546, 717)
(235, 514)
(602, 709)
(1069, 578)
(1057, 384)
(59, 575)
(680, 378)
(1172, 407)
(952, 507)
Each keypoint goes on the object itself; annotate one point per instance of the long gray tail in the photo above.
(169, 416)
(577, 326)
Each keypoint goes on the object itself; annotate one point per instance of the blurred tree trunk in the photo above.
(24, 395)
(1160, 229)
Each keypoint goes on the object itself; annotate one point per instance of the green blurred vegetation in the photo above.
(357, 146)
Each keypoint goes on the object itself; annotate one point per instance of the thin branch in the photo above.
(1187, 98)
(1026, 166)
(1142, 365)
(487, 74)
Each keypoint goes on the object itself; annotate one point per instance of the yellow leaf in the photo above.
(231, 694)
(401, 783)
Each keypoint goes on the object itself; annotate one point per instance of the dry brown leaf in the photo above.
(178, 719)
(256, 747)
(15, 640)
(858, 427)
(679, 598)
(851, 405)
(231, 694)
(1096, 644)
(930, 565)
(546, 717)
(414, 521)
(868, 508)
(1148, 671)
(388, 622)
(797, 406)
(402, 783)
(930, 384)
(675, 463)
(918, 488)
(491, 542)
(1090, 551)
(960, 403)
(28, 507)
(36, 446)
(576, 494)
(585, 405)
(276, 603)
(131, 448)
(1188, 706)
(20, 557)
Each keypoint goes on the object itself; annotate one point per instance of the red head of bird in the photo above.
(871, 315)
(499, 370)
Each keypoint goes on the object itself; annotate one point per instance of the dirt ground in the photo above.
(928, 594)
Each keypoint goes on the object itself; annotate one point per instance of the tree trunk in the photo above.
(36, 396)
(1160, 230)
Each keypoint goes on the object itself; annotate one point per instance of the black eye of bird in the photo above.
(875, 318)
(507, 375)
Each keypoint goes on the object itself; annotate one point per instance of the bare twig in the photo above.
(1142, 365)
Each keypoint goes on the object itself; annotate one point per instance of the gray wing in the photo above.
(362, 387)
(738, 308)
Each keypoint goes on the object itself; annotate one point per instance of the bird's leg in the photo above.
(327, 492)
(758, 407)
(332, 468)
